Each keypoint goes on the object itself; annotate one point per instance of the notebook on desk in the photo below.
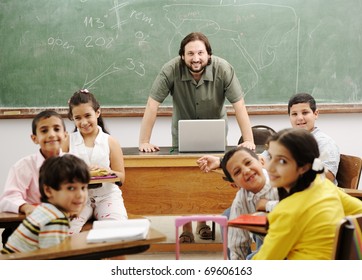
(202, 135)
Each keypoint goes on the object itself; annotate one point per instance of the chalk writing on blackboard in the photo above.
(116, 48)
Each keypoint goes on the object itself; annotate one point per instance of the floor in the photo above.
(166, 225)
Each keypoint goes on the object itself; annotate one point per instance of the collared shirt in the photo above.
(328, 150)
(22, 184)
(239, 240)
(197, 100)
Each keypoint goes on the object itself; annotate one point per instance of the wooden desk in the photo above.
(261, 230)
(77, 248)
(170, 183)
(10, 219)
(353, 192)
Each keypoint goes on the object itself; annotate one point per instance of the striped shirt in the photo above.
(239, 240)
(46, 226)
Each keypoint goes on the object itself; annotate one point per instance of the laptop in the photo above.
(207, 135)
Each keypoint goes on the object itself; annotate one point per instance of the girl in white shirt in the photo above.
(91, 142)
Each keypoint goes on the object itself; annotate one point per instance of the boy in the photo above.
(303, 113)
(244, 169)
(21, 191)
(63, 185)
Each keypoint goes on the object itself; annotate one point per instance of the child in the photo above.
(21, 191)
(303, 224)
(63, 184)
(92, 143)
(244, 169)
(303, 113)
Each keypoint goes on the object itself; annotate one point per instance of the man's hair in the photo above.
(45, 115)
(302, 98)
(195, 36)
(62, 169)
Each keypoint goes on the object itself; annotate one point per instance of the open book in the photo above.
(249, 219)
(112, 231)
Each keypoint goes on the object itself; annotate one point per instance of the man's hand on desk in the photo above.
(208, 163)
(148, 148)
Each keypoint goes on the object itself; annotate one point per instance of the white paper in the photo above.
(112, 231)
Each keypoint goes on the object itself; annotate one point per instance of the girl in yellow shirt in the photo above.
(303, 224)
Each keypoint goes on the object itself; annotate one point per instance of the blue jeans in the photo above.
(259, 241)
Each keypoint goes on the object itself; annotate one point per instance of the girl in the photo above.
(91, 142)
(303, 224)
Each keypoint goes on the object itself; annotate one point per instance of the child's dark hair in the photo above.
(45, 115)
(304, 149)
(228, 155)
(84, 96)
(302, 98)
(62, 169)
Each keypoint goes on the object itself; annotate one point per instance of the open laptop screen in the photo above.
(202, 135)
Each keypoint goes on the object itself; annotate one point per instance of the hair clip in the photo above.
(317, 165)
(84, 91)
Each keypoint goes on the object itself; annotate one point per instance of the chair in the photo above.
(221, 220)
(261, 134)
(348, 240)
(349, 171)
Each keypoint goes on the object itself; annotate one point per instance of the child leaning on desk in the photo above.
(91, 142)
(244, 169)
(303, 224)
(21, 191)
(63, 185)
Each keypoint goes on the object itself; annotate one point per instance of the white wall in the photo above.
(346, 129)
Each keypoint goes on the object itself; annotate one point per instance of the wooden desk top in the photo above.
(77, 248)
(167, 157)
(261, 230)
(353, 192)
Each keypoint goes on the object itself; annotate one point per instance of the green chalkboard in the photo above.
(51, 48)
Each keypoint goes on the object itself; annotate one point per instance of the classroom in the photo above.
(270, 68)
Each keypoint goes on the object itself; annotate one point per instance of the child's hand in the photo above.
(260, 205)
(208, 163)
(27, 209)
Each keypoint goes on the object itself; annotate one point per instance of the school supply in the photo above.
(249, 219)
(202, 135)
(99, 172)
(112, 231)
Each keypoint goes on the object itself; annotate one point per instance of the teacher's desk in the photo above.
(170, 183)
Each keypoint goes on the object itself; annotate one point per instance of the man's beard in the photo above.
(196, 71)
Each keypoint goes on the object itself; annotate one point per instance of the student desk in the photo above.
(10, 219)
(261, 230)
(170, 183)
(353, 192)
(77, 248)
